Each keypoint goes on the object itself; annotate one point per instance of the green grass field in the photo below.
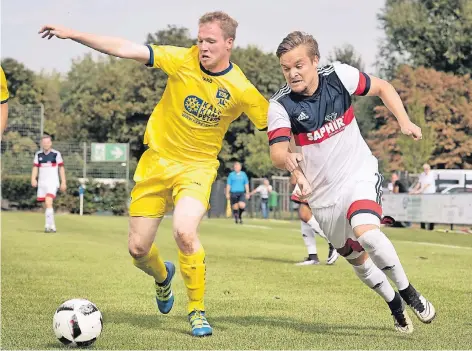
(256, 297)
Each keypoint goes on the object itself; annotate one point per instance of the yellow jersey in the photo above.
(192, 117)
(4, 89)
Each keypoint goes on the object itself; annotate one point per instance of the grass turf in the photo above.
(256, 297)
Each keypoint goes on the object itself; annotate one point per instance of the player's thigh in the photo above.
(364, 210)
(141, 234)
(151, 196)
(41, 193)
(337, 229)
(191, 195)
(188, 213)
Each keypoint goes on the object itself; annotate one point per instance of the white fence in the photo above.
(434, 208)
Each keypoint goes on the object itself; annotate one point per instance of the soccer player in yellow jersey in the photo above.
(205, 92)
(4, 100)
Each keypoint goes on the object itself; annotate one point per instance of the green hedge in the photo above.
(98, 198)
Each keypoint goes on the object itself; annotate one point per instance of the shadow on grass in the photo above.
(178, 324)
(272, 259)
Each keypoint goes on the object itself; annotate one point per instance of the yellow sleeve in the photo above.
(255, 106)
(168, 58)
(4, 88)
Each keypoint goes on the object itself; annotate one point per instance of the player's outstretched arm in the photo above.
(391, 99)
(108, 45)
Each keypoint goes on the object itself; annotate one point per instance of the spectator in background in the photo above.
(398, 187)
(264, 190)
(426, 185)
(237, 191)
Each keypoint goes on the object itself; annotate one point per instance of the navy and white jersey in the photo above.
(324, 127)
(48, 164)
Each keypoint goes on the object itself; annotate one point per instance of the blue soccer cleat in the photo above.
(199, 323)
(164, 295)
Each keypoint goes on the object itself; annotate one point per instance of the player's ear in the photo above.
(316, 61)
(229, 43)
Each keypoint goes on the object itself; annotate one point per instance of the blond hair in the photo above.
(296, 39)
(227, 24)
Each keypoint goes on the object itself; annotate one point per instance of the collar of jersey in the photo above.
(230, 67)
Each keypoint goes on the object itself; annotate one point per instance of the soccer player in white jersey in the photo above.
(340, 170)
(47, 166)
(309, 229)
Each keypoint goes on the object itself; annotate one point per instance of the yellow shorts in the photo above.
(160, 183)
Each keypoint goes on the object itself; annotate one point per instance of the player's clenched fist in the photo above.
(292, 160)
(412, 129)
(54, 30)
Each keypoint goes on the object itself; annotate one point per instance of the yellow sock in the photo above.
(192, 268)
(152, 264)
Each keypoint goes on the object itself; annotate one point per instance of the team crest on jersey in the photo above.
(201, 112)
(331, 117)
(223, 96)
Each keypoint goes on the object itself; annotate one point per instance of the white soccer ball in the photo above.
(77, 322)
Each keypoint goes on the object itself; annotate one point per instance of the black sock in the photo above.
(235, 214)
(407, 293)
(241, 210)
(396, 303)
(313, 257)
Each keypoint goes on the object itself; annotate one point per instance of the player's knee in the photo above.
(235, 207)
(373, 239)
(137, 249)
(362, 229)
(186, 238)
(242, 205)
(360, 260)
(304, 213)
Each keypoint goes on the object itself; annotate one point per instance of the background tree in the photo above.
(430, 33)
(416, 153)
(447, 102)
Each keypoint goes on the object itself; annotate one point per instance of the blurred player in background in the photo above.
(4, 100)
(237, 191)
(205, 92)
(315, 105)
(47, 166)
(309, 228)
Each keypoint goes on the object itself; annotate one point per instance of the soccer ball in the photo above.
(77, 322)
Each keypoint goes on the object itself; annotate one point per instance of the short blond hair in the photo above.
(295, 39)
(227, 24)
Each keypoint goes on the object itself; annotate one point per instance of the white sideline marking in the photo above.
(433, 244)
(255, 226)
(418, 243)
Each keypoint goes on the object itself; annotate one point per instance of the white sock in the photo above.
(313, 223)
(383, 254)
(50, 218)
(375, 279)
(308, 235)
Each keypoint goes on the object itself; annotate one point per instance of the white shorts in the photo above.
(359, 204)
(46, 190)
